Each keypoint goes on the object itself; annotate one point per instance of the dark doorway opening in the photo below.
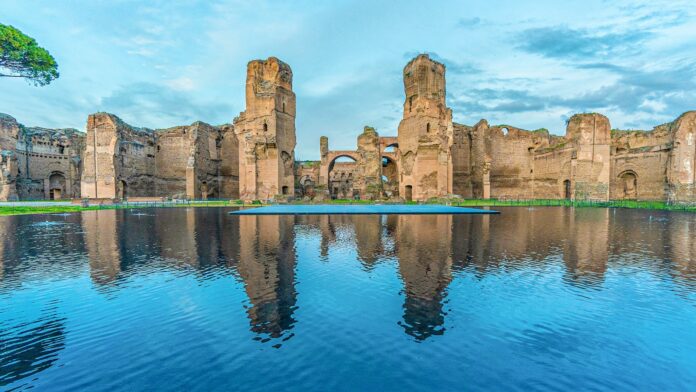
(566, 189)
(409, 193)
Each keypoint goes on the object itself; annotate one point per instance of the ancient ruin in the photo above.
(434, 157)
(430, 157)
(266, 132)
(120, 161)
(39, 163)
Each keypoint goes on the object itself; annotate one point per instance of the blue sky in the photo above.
(529, 64)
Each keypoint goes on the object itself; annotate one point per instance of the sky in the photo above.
(529, 64)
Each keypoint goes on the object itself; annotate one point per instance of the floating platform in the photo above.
(358, 209)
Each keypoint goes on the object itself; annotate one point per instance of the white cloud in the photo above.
(181, 84)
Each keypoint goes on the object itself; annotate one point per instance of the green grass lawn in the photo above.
(23, 210)
(652, 205)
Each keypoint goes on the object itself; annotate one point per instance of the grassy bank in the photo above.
(651, 205)
(43, 209)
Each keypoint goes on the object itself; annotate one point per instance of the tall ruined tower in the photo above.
(425, 132)
(266, 131)
(681, 171)
(590, 134)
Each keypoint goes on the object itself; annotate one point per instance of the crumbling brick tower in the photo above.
(266, 132)
(590, 134)
(425, 132)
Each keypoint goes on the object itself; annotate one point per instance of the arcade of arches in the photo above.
(428, 155)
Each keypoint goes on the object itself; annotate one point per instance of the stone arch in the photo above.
(121, 190)
(391, 147)
(57, 185)
(628, 185)
(204, 190)
(390, 176)
(340, 187)
(305, 186)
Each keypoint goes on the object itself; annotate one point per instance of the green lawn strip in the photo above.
(25, 210)
(651, 205)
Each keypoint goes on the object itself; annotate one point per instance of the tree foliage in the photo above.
(23, 58)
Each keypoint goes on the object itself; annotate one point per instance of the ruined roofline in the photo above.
(38, 130)
(120, 123)
(5, 116)
(423, 56)
(281, 63)
(668, 127)
(193, 124)
(54, 131)
(149, 131)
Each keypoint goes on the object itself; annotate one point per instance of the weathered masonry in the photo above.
(433, 157)
(39, 163)
(266, 132)
(429, 157)
(121, 161)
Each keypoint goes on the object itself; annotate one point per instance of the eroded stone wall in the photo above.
(198, 161)
(307, 179)
(431, 157)
(39, 163)
(266, 132)
(425, 133)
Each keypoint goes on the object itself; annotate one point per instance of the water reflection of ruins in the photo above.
(430, 251)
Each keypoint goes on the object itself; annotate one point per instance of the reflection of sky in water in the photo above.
(543, 298)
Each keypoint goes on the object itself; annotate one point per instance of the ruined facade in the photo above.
(433, 157)
(429, 157)
(39, 163)
(121, 161)
(591, 162)
(266, 132)
(425, 132)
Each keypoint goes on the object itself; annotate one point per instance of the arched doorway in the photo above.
(204, 190)
(409, 193)
(628, 182)
(305, 187)
(56, 186)
(390, 177)
(566, 190)
(122, 190)
(341, 173)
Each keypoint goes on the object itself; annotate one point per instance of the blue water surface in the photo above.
(196, 299)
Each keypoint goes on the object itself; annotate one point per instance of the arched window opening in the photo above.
(391, 148)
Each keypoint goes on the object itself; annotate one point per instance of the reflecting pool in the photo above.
(196, 299)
